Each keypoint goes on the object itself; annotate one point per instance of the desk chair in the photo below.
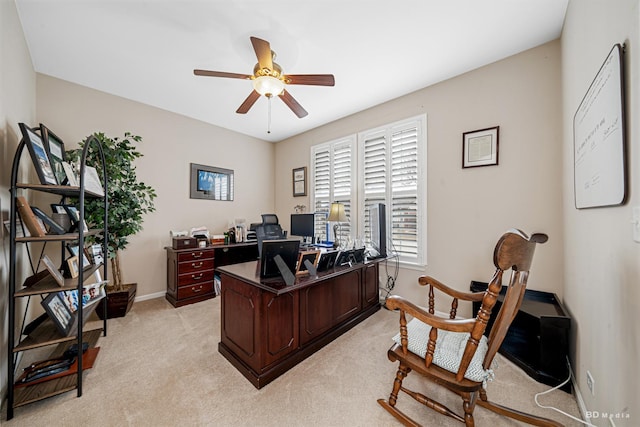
(454, 353)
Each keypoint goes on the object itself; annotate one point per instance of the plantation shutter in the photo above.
(374, 175)
(333, 167)
(389, 162)
(404, 193)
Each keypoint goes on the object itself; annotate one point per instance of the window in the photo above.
(333, 181)
(390, 159)
(390, 169)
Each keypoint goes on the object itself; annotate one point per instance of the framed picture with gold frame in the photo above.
(311, 256)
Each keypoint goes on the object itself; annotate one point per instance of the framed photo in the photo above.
(48, 264)
(92, 181)
(72, 266)
(300, 182)
(74, 250)
(55, 147)
(96, 255)
(480, 147)
(70, 174)
(58, 311)
(74, 217)
(39, 155)
(311, 256)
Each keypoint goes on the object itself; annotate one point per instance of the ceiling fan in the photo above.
(268, 79)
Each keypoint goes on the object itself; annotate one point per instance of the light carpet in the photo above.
(160, 366)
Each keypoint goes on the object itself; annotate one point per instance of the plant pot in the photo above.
(118, 302)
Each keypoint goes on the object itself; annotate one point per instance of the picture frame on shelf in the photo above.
(96, 255)
(92, 181)
(48, 264)
(72, 266)
(54, 227)
(55, 147)
(299, 181)
(74, 217)
(39, 155)
(70, 299)
(70, 174)
(58, 311)
(74, 250)
(480, 147)
(311, 256)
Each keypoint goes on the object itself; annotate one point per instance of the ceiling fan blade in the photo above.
(311, 79)
(221, 74)
(263, 52)
(248, 103)
(293, 104)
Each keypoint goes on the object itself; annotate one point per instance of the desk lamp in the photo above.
(337, 215)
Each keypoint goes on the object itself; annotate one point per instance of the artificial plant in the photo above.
(128, 199)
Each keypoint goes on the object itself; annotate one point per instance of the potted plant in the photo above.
(129, 200)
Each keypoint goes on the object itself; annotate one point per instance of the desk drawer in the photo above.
(195, 290)
(195, 277)
(193, 266)
(195, 255)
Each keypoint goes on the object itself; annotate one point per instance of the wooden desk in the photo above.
(267, 328)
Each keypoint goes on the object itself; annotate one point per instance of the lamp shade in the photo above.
(268, 86)
(337, 213)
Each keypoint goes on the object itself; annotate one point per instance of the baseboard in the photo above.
(149, 296)
(582, 407)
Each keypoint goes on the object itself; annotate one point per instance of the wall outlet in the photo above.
(591, 383)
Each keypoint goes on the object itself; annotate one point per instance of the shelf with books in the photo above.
(55, 327)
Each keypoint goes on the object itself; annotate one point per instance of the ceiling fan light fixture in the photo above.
(268, 86)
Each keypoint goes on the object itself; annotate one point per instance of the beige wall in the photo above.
(170, 142)
(17, 104)
(468, 209)
(602, 274)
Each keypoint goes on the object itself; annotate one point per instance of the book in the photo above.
(29, 219)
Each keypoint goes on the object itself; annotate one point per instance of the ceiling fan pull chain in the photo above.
(269, 125)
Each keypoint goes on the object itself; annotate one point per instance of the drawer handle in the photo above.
(193, 276)
(194, 265)
(193, 289)
(198, 255)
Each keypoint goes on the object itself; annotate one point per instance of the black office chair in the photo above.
(270, 229)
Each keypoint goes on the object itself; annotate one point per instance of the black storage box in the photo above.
(538, 338)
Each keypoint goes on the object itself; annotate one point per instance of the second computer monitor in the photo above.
(303, 225)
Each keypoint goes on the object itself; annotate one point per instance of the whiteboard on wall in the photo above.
(599, 138)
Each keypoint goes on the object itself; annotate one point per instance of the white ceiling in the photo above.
(377, 50)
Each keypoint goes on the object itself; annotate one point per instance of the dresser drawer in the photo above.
(195, 290)
(197, 265)
(195, 255)
(195, 277)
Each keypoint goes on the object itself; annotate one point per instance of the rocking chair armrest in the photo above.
(438, 322)
(465, 296)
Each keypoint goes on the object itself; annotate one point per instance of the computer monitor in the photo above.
(303, 225)
(378, 224)
(288, 251)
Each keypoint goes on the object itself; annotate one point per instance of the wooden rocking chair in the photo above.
(454, 352)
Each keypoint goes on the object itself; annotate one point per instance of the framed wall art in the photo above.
(300, 181)
(480, 147)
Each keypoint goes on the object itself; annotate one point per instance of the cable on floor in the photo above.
(556, 409)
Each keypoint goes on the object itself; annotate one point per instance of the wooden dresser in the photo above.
(190, 272)
(189, 275)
